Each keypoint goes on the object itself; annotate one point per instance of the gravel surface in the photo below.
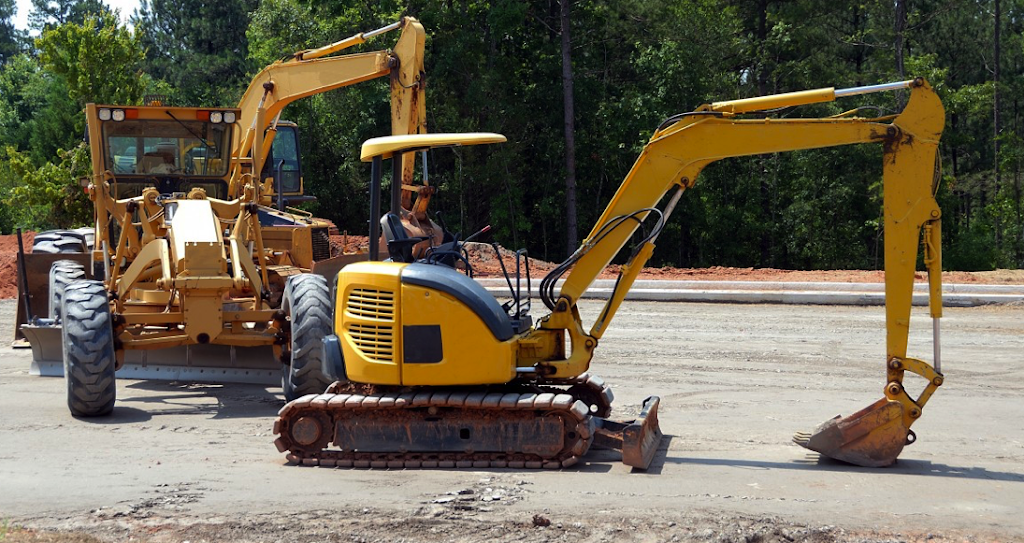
(195, 462)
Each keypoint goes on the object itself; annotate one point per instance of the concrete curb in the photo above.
(759, 292)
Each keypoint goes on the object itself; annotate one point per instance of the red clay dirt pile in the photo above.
(485, 264)
(8, 263)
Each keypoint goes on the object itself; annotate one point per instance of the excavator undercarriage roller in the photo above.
(436, 429)
(461, 428)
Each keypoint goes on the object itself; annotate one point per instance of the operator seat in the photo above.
(399, 243)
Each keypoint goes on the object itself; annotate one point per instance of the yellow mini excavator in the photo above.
(431, 371)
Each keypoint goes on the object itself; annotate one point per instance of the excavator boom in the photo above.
(310, 72)
(307, 73)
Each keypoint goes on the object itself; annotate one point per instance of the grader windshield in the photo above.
(174, 149)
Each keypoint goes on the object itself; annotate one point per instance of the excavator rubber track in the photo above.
(523, 426)
(436, 429)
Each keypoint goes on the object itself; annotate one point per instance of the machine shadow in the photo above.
(815, 462)
(221, 401)
(120, 415)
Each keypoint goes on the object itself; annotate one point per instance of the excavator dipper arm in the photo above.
(682, 147)
(311, 72)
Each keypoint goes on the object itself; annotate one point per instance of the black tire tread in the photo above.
(307, 303)
(62, 274)
(59, 242)
(88, 349)
(88, 236)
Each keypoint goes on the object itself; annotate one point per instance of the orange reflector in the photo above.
(202, 115)
(131, 114)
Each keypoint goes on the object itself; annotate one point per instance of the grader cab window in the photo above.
(166, 148)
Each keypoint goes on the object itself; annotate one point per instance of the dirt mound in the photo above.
(343, 243)
(8, 262)
(486, 264)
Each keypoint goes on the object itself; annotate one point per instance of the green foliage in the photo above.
(495, 65)
(199, 48)
(10, 38)
(281, 26)
(37, 114)
(49, 196)
(99, 59)
(47, 14)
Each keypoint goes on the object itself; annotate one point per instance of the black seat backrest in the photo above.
(399, 243)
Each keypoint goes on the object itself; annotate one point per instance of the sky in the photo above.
(127, 7)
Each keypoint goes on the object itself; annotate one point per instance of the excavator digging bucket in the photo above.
(872, 437)
(638, 439)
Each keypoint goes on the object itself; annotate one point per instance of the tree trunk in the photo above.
(900, 28)
(859, 50)
(572, 238)
(761, 163)
(995, 117)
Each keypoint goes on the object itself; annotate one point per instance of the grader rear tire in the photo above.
(307, 303)
(62, 274)
(88, 349)
(88, 236)
(59, 242)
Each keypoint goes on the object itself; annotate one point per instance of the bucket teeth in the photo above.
(802, 438)
(872, 437)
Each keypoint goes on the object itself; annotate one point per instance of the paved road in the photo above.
(736, 382)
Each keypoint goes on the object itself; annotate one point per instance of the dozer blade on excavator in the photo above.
(872, 437)
(637, 439)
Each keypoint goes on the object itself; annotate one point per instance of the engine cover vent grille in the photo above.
(375, 342)
(321, 240)
(371, 304)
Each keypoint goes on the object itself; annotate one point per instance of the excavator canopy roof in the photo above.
(386, 146)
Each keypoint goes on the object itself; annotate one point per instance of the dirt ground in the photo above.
(485, 264)
(180, 461)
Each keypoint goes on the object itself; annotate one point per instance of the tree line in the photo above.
(577, 86)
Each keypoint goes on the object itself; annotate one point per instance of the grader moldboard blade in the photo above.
(872, 437)
(637, 439)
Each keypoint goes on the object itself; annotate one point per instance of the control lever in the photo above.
(483, 230)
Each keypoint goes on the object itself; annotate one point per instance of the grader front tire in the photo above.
(307, 303)
(62, 274)
(88, 338)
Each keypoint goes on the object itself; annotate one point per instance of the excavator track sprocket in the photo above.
(436, 429)
(590, 389)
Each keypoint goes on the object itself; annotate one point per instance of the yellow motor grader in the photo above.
(187, 272)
